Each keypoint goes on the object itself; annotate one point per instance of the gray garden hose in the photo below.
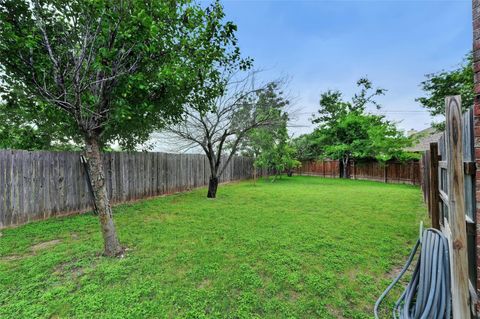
(428, 293)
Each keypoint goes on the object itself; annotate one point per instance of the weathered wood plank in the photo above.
(39, 185)
(456, 205)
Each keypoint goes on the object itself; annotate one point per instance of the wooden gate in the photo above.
(452, 201)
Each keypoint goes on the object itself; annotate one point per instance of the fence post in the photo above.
(456, 203)
(354, 169)
(412, 167)
(434, 199)
(385, 178)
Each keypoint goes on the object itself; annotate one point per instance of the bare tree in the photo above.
(219, 132)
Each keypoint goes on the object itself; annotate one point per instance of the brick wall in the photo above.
(476, 61)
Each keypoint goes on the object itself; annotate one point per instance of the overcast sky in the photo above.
(330, 44)
(325, 45)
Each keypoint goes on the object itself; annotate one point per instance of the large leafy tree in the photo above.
(112, 70)
(437, 86)
(361, 136)
(334, 107)
(347, 131)
(307, 147)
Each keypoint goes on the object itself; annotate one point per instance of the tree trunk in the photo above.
(112, 246)
(345, 162)
(289, 173)
(212, 187)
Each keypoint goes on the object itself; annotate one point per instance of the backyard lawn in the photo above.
(301, 247)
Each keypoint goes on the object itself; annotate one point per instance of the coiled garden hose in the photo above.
(428, 294)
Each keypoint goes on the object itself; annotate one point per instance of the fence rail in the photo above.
(40, 185)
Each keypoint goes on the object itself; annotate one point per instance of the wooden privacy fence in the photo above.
(326, 168)
(39, 185)
(391, 172)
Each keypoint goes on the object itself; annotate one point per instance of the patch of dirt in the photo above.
(206, 283)
(68, 268)
(395, 271)
(33, 250)
(335, 312)
(294, 296)
(11, 258)
(45, 245)
(353, 273)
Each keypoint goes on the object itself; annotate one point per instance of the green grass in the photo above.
(301, 247)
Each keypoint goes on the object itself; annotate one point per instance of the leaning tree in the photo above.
(219, 132)
(112, 70)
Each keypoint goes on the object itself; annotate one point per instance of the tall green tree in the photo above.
(112, 70)
(307, 147)
(333, 106)
(276, 153)
(347, 131)
(362, 136)
(437, 86)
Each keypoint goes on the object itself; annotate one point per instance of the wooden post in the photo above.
(412, 167)
(456, 203)
(425, 167)
(434, 197)
(354, 169)
(385, 178)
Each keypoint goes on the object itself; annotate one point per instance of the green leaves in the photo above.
(119, 70)
(437, 86)
(269, 143)
(362, 136)
(347, 131)
(333, 106)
